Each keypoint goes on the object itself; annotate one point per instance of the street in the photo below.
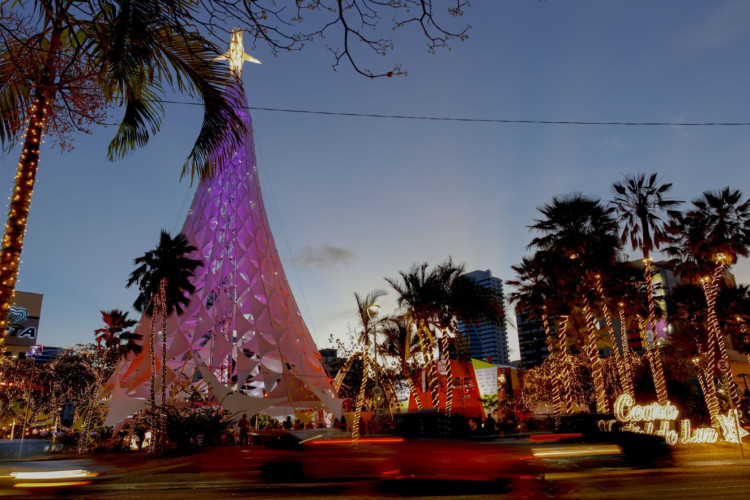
(214, 477)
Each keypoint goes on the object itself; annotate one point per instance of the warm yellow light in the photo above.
(51, 485)
(53, 474)
(577, 450)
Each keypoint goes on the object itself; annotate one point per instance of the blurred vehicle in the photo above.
(29, 466)
(433, 446)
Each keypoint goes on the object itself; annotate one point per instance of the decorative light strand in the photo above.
(626, 384)
(360, 402)
(657, 369)
(152, 388)
(15, 228)
(709, 389)
(449, 375)
(556, 403)
(626, 354)
(566, 365)
(592, 353)
(715, 328)
(163, 412)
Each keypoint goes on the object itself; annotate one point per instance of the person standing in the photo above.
(243, 430)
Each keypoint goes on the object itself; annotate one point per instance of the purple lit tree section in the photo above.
(242, 338)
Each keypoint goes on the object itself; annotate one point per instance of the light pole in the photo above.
(377, 392)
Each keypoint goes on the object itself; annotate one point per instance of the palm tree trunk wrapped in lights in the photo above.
(556, 402)
(565, 366)
(626, 356)
(390, 394)
(432, 374)
(652, 359)
(712, 290)
(152, 449)
(594, 362)
(427, 347)
(625, 379)
(15, 227)
(360, 397)
(448, 374)
(705, 379)
(657, 368)
(163, 412)
(414, 393)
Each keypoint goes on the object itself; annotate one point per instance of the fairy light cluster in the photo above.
(626, 382)
(15, 228)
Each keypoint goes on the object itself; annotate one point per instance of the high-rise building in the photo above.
(487, 341)
(531, 339)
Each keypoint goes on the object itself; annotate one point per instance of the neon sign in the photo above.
(657, 419)
(626, 411)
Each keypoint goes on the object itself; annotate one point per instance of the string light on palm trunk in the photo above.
(163, 412)
(152, 391)
(708, 387)
(565, 366)
(625, 383)
(653, 349)
(716, 333)
(556, 403)
(15, 227)
(449, 375)
(627, 357)
(592, 353)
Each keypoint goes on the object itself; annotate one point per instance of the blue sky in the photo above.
(354, 200)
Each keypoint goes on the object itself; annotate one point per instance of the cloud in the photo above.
(323, 257)
(727, 24)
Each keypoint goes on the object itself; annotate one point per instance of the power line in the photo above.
(483, 120)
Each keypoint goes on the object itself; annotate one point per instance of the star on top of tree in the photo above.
(236, 54)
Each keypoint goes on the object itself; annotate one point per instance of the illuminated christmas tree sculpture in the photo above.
(242, 339)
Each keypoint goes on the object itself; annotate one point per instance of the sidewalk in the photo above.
(709, 454)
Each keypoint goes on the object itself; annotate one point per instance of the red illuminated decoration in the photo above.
(465, 392)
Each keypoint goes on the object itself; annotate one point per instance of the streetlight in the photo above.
(377, 392)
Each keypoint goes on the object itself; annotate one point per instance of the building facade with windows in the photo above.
(487, 341)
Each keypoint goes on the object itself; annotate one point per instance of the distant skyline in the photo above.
(352, 200)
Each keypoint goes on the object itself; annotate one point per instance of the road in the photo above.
(715, 480)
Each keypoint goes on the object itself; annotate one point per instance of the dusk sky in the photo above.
(352, 200)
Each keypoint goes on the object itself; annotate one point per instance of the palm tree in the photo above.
(536, 292)
(169, 262)
(365, 307)
(716, 231)
(65, 63)
(460, 297)
(163, 279)
(112, 337)
(641, 203)
(433, 300)
(689, 321)
(114, 341)
(578, 235)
